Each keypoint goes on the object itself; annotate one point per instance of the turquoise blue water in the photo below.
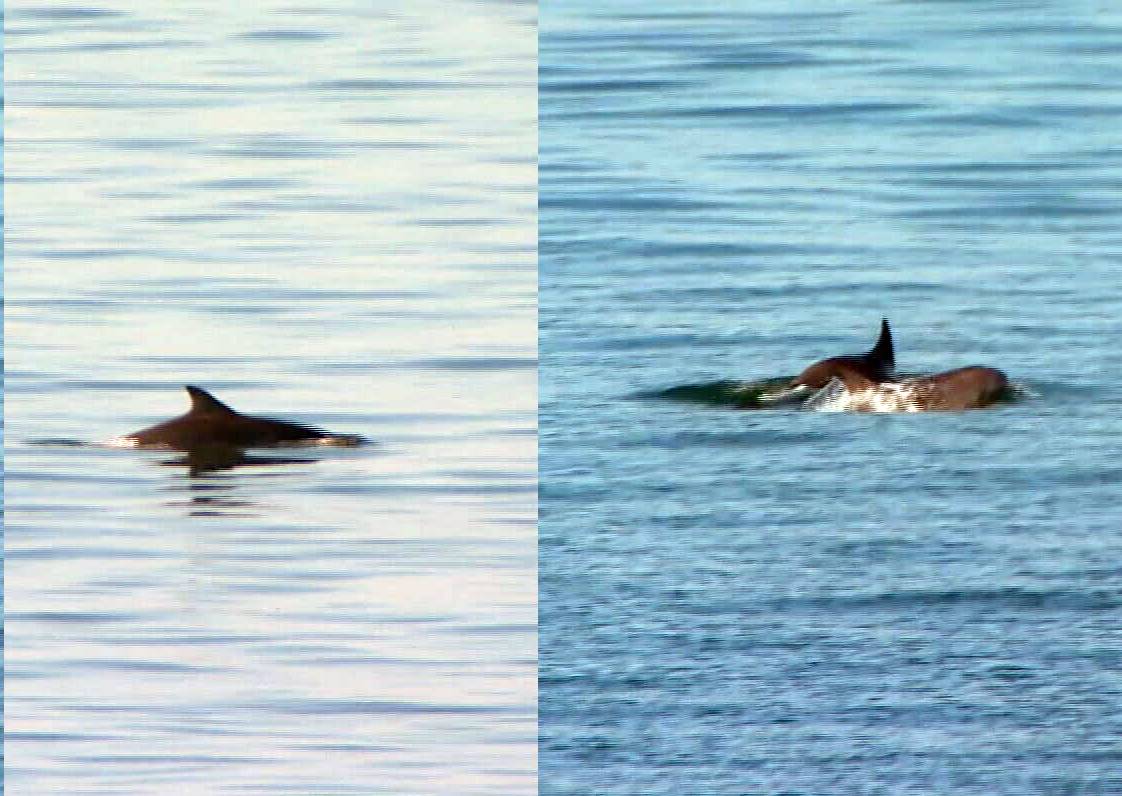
(787, 602)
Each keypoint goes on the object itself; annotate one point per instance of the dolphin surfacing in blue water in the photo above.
(210, 423)
(867, 383)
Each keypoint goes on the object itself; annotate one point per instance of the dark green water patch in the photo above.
(726, 392)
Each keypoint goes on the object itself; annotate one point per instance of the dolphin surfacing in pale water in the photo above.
(212, 424)
(866, 384)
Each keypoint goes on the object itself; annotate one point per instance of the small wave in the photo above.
(760, 394)
(330, 441)
(58, 442)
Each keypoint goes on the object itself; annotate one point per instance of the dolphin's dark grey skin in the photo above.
(877, 365)
(210, 423)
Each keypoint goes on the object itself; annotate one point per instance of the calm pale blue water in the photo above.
(320, 211)
(741, 602)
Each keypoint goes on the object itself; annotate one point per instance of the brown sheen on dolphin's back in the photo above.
(876, 365)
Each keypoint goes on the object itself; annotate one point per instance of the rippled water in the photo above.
(323, 213)
(791, 602)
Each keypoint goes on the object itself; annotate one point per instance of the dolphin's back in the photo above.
(971, 387)
(211, 423)
(875, 365)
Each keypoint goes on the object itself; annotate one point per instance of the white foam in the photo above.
(122, 442)
(902, 396)
(784, 395)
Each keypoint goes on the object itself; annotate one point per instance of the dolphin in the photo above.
(868, 383)
(972, 387)
(212, 424)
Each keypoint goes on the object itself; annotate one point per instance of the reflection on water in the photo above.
(210, 498)
(211, 459)
(327, 209)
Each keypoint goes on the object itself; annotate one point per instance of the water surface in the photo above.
(323, 213)
(790, 602)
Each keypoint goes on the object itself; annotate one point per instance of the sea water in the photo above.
(322, 212)
(803, 603)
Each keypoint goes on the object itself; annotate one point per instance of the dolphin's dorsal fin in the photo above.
(202, 402)
(882, 353)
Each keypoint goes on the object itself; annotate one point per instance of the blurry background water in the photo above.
(782, 602)
(322, 211)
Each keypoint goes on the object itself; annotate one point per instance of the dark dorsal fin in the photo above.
(202, 402)
(882, 355)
